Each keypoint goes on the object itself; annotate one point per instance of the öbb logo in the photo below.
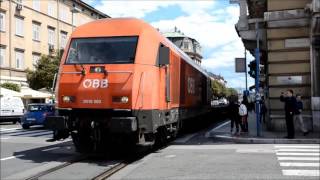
(95, 83)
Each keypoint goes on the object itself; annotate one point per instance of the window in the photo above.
(51, 9)
(19, 59)
(109, 50)
(51, 38)
(63, 40)
(2, 21)
(63, 14)
(36, 5)
(36, 31)
(19, 1)
(35, 59)
(19, 26)
(2, 56)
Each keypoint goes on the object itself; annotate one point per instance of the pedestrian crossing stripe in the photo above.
(300, 172)
(298, 158)
(293, 158)
(25, 132)
(297, 154)
(302, 146)
(295, 164)
(297, 149)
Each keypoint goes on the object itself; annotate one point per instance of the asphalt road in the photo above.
(191, 156)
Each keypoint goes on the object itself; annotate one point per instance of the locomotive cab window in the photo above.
(104, 50)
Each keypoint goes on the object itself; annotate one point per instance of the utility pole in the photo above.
(245, 60)
(257, 56)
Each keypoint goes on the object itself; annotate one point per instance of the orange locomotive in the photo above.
(121, 80)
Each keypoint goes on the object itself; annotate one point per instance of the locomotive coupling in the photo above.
(55, 123)
(123, 124)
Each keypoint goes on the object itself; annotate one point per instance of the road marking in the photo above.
(170, 156)
(299, 172)
(8, 129)
(297, 154)
(287, 164)
(296, 150)
(302, 146)
(4, 138)
(11, 157)
(221, 125)
(50, 149)
(185, 138)
(298, 158)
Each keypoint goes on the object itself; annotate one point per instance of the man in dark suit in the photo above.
(290, 103)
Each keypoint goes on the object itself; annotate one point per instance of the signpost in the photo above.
(258, 98)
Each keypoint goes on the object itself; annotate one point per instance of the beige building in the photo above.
(290, 48)
(31, 28)
(187, 44)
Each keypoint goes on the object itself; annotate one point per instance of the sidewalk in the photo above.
(222, 132)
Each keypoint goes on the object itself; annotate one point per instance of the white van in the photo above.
(11, 109)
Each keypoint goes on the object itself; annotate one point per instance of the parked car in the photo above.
(223, 101)
(11, 109)
(215, 102)
(36, 114)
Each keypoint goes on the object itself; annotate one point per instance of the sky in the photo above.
(210, 22)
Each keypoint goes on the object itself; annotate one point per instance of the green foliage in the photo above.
(44, 72)
(231, 92)
(11, 86)
(220, 90)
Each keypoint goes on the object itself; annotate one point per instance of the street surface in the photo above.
(192, 156)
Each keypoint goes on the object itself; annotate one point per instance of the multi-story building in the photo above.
(187, 44)
(31, 28)
(290, 50)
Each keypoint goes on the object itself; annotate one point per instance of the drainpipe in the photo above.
(10, 38)
(315, 63)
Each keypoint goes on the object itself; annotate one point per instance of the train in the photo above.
(120, 80)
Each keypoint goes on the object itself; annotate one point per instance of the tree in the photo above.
(45, 69)
(11, 86)
(231, 92)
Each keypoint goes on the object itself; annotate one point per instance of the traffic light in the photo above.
(252, 69)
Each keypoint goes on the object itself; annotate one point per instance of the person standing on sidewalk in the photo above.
(290, 103)
(243, 112)
(233, 112)
(298, 115)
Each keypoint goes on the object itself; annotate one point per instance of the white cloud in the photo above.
(140, 9)
(213, 28)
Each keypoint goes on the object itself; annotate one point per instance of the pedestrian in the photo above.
(298, 115)
(289, 108)
(263, 110)
(233, 112)
(243, 112)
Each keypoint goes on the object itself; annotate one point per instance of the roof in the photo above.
(173, 34)
(92, 8)
(28, 93)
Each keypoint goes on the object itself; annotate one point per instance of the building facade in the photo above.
(187, 44)
(290, 46)
(31, 28)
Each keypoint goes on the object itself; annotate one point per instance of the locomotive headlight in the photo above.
(67, 99)
(124, 99)
(120, 99)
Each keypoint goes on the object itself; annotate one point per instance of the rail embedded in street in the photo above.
(111, 171)
(51, 170)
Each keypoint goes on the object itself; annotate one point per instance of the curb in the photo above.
(264, 140)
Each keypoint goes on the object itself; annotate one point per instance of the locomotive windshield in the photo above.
(104, 50)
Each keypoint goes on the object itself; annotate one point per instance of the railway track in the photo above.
(104, 175)
(111, 171)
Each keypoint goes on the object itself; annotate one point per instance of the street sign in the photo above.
(240, 64)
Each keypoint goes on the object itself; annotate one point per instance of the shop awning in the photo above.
(8, 92)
